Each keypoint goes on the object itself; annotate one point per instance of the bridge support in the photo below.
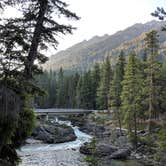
(46, 117)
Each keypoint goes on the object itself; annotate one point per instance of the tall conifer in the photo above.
(116, 89)
(131, 96)
(104, 85)
(153, 70)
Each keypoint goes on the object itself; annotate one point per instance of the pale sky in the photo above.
(99, 17)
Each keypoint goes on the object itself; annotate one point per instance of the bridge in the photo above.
(57, 111)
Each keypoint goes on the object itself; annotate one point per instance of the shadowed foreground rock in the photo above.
(105, 150)
(121, 154)
(4, 163)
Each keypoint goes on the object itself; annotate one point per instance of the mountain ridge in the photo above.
(82, 56)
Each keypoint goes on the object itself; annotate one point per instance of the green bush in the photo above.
(25, 126)
(93, 161)
(147, 140)
(162, 138)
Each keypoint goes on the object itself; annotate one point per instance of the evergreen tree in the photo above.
(153, 70)
(47, 82)
(104, 85)
(52, 90)
(95, 83)
(160, 13)
(143, 111)
(61, 89)
(121, 62)
(85, 91)
(74, 89)
(79, 90)
(42, 82)
(131, 96)
(116, 88)
(22, 39)
(163, 87)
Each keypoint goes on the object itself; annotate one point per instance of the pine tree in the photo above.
(61, 89)
(52, 89)
(104, 85)
(79, 90)
(85, 91)
(163, 87)
(143, 104)
(95, 83)
(116, 88)
(153, 70)
(131, 96)
(121, 62)
(160, 13)
(76, 79)
(70, 84)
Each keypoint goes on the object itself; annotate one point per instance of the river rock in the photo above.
(93, 129)
(86, 149)
(100, 150)
(33, 141)
(120, 154)
(54, 133)
(105, 150)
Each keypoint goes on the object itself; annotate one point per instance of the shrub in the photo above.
(93, 161)
(162, 138)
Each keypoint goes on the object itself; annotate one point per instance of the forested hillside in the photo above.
(84, 55)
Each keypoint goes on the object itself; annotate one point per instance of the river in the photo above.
(62, 154)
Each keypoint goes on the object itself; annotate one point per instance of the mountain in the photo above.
(85, 54)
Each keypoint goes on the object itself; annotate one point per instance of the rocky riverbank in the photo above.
(66, 157)
(111, 144)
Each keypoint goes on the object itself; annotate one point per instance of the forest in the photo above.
(133, 89)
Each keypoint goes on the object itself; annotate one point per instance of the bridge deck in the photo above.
(61, 111)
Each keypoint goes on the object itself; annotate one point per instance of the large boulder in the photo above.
(120, 154)
(93, 129)
(100, 149)
(105, 149)
(54, 133)
(86, 149)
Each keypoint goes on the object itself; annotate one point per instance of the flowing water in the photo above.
(62, 154)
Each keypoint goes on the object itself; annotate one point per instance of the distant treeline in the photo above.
(70, 90)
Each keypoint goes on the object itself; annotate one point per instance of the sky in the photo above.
(99, 17)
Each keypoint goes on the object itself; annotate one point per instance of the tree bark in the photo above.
(135, 128)
(36, 39)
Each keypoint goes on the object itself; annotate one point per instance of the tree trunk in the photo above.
(119, 121)
(35, 40)
(135, 129)
(150, 99)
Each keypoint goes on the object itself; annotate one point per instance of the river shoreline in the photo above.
(67, 157)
